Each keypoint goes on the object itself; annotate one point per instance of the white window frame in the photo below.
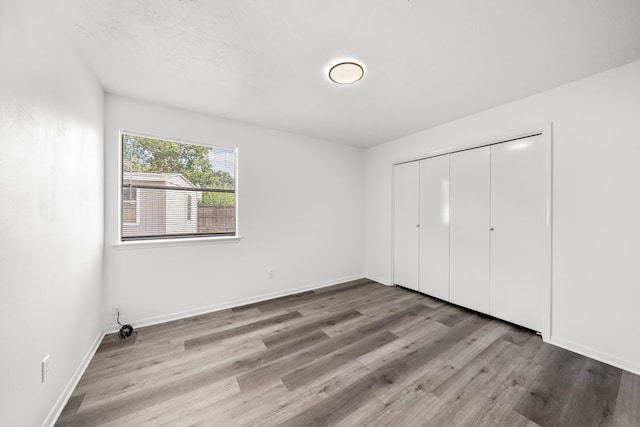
(174, 241)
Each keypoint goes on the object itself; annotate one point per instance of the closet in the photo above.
(469, 228)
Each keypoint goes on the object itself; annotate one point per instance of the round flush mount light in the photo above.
(346, 73)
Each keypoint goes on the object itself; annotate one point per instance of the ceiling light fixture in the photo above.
(346, 73)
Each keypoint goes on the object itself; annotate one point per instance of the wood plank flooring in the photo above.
(354, 354)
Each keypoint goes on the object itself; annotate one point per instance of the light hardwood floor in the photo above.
(354, 354)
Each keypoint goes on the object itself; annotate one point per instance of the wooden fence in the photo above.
(216, 219)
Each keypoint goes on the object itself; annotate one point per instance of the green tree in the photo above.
(142, 154)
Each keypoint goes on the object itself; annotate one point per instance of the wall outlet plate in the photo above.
(115, 308)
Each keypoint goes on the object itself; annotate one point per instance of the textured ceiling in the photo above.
(427, 62)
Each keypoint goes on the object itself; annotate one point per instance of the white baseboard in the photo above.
(378, 279)
(600, 356)
(149, 321)
(73, 382)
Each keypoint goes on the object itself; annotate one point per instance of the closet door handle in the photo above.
(490, 228)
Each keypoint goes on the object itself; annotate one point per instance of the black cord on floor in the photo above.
(126, 330)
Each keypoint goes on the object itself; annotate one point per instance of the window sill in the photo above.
(162, 243)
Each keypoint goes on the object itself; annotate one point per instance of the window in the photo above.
(172, 189)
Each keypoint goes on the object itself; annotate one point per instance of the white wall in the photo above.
(51, 215)
(301, 209)
(596, 214)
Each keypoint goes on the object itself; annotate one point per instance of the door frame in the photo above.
(545, 131)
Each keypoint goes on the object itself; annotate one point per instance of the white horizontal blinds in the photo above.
(172, 189)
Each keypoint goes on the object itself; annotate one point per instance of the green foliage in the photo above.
(218, 199)
(191, 161)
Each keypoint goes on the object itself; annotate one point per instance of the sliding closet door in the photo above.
(470, 223)
(406, 208)
(517, 241)
(434, 227)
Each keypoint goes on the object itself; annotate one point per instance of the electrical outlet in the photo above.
(45, 368)
(115, 308)
(271, 273)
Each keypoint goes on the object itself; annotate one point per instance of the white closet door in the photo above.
(517, 239)
(470, 235)
(406, 196)
(434, 227)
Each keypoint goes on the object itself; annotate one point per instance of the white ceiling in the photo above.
(427, 62)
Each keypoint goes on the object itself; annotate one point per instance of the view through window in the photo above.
(173, 189)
